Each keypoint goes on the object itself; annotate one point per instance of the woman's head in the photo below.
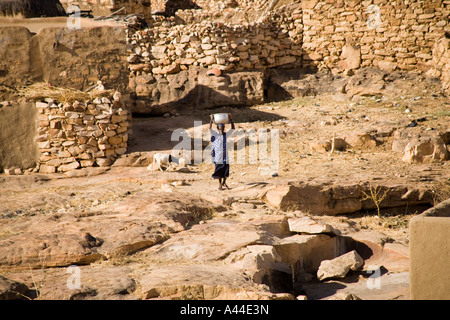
(221, 127)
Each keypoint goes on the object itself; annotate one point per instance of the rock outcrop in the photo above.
(332, 200)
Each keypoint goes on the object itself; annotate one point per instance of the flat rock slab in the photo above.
(389, 286)
(205, 281)
(211, 241)
(119, 228)
(94, 282)
(310, 226)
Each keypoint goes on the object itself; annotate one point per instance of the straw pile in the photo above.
(40, 91)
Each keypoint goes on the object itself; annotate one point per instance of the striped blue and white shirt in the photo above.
(219, 152)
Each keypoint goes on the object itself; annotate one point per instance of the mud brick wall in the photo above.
(76, 135)
(72, 58)
(79, 58)
(18, 127)
(15, 64)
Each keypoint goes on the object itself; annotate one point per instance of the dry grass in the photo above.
(42, 90)
(440, 190)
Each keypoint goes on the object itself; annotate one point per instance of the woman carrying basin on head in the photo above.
(219, 151)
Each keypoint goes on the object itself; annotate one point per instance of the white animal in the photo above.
(162, 160)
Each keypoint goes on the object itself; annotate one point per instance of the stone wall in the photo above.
(173, 57)
(106, 7)
(77, 135)
(336, 36)
(170, 49)
(171, 7)
(386, 34)
(441, 62)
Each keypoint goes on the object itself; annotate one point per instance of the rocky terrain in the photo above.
(355, 165)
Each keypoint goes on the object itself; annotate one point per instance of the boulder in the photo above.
(362, 141)
(340, 266)
(323, 199)
(366, 82)
(304, 253)
(35, 250)
(373, 247)
(317, 199)
(134, 159)
(173, 88)
(324, 145)
(236, 88)
(425, 151)
(321, 146)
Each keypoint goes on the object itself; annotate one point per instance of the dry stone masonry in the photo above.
(76, 135)
(387, 34)
(167, 61)
(106, 7)
(241, 35)
(441, 62)
(171, 48)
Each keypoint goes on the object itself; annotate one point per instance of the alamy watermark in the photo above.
(74, 20)
(374, 280)
(243, 147)
(374, 20)
(74, 280)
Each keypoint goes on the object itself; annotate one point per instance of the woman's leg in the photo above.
(224, 183)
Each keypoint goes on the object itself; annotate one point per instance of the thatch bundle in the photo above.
(32, 8)
(41, 90)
